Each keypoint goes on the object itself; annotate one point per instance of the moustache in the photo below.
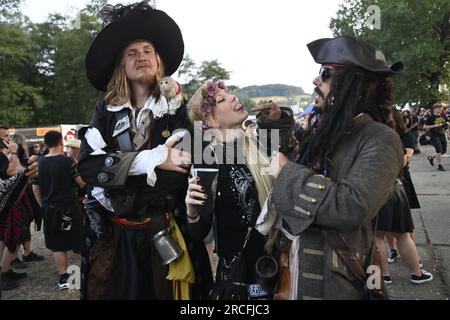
(320, 93)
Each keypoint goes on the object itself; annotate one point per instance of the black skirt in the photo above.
(410, 190)
(63, 227)
(395, 215)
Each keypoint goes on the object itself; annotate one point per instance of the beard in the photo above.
(319, 103)
(146, 79)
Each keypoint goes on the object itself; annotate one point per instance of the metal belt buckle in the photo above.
(256, 291)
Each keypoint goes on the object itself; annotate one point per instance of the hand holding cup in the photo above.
(195, 197)
(202, 191)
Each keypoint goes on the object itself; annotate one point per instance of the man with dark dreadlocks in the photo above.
(346, 171)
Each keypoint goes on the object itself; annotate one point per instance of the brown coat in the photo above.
(366, 165)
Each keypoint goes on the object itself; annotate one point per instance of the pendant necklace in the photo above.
(166, 133)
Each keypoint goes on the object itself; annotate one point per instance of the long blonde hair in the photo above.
(119, 92)
(256, 161)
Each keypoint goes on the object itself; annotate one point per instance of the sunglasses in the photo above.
(325, 73)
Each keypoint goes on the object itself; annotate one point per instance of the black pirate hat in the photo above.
(125, 24)
(351, 52)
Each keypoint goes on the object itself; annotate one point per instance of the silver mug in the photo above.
(167, 247)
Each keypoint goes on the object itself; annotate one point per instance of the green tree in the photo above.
(74, 98)
(20, 94)
(10, 11)
(212, 69)
(188, 72)
(62, 44)
(43, 36)
(43, 79)
(416, 32)
(193, 76)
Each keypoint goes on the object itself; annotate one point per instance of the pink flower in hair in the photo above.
(209, 95)
(211, 88)
(205, 107)
(221, 85)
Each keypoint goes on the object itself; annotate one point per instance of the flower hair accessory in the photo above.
(209, 92)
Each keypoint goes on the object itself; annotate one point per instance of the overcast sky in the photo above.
(259, 41)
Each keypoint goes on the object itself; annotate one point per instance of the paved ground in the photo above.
(432, 224)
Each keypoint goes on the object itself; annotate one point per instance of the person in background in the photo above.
(30, 212)
(73, 152)
(395, 216)
(445, 112)
(63, 221)
(35, 149)
(14, 178)
(414, 129)
(437, 123)
(73, 149)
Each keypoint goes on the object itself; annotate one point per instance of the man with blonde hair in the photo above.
(137, 180)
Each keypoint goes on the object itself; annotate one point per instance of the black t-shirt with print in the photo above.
(436, 119)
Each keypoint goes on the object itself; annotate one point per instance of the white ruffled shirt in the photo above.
(146, 161)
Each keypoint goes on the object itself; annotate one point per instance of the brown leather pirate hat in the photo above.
(348, 51)
(125, 24)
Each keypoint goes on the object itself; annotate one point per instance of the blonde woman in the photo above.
(241, 192)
